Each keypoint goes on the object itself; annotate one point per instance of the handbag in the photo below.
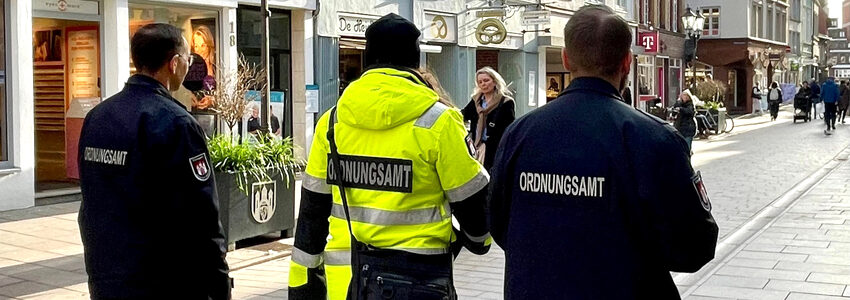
(387, 273)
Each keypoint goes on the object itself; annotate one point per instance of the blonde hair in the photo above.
(432, 80)
(501, 87)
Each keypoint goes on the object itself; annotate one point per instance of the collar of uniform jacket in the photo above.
(156, 86)
(595, 84)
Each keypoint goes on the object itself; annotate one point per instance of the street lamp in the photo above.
(693, 25)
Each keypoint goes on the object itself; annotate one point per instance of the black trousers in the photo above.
(829, 112)
(774, 109)
(842, 113)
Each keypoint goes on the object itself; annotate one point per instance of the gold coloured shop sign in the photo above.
(440, 27)
(491, 31)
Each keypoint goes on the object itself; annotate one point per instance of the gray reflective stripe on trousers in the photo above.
(314, 184)
(306, 259)
(386, 217)
(429, 118)
(477, 239)
(343, 257)
(470, 187)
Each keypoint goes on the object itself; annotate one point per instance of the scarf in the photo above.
(482, 114)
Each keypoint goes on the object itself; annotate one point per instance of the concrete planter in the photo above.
(269, 208)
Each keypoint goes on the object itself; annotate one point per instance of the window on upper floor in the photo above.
(781, 25)
(674, 19)
(712, 21)
(795, 10)
(756, 29)
(622, 3)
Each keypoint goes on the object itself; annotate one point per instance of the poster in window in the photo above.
(201, 77)
(83, 62)
(47, 45)
(554, 85)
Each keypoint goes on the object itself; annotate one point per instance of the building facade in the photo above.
(838, 57)
(746, 43)
(62, 57)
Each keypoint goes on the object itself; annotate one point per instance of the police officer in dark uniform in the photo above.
(149, 215)
(591, 199)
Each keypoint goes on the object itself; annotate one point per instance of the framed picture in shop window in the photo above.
(47, 45)
(554, 84)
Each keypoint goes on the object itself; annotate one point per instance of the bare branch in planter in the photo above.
(231, 101)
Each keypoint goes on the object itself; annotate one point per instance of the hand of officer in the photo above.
(315, 287)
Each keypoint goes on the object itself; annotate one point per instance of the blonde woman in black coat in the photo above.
(489, 112)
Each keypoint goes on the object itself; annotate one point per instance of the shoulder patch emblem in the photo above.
(701, 191)
(200, 167)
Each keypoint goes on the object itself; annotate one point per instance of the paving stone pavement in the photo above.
(803, 254)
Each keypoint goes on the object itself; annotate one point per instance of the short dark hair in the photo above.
(596, 38)
(154, 45)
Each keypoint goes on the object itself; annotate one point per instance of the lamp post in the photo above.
(693, 24)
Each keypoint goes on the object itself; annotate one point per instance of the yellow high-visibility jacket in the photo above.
(405, 162)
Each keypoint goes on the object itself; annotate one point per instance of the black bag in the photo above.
(387, 273)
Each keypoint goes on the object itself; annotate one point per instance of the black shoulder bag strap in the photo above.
(338, 172)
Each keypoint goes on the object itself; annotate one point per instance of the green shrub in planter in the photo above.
(255, 184)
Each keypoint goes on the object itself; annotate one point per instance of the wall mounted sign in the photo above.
(69, 6)
(491, 31)
(353, 25)
(649, 41)
(536, 17)
(440, 28)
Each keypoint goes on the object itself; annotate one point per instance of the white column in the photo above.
(773, 34)
(115, 48)
(541, 76)
(228, 55)
(19, 186)
(309, 37)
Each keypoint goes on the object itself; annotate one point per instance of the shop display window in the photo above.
(646, 76)
(200, 29)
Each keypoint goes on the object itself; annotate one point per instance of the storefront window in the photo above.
(200, 29)
(249, 37)
(646, 76)
(4, 113)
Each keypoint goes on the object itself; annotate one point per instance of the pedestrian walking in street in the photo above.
(844, 102)
(580, 208)
(830, 95)
(489, 112)
(774, 98)
(814, 88)
(685, 123)
(393, 228)
(757, 99)
(149, 217)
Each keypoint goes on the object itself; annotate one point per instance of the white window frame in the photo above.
(647, 63)
(711, 31)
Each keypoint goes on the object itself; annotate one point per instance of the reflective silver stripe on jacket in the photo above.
(386, 217)
(337, 257)
(343, 257)
(306, 259)
(314, 184)
(427, 119)
(469, 188)
(477, 239)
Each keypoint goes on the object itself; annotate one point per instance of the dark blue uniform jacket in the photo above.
(591, 199)
(149, 216)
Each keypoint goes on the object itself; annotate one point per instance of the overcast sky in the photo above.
(835, 9)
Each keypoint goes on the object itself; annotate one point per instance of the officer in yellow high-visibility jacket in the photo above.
(406, 165)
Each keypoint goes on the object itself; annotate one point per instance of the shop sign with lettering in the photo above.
(440, 28)
(353, 25)
(69, 6)
(648, 40)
